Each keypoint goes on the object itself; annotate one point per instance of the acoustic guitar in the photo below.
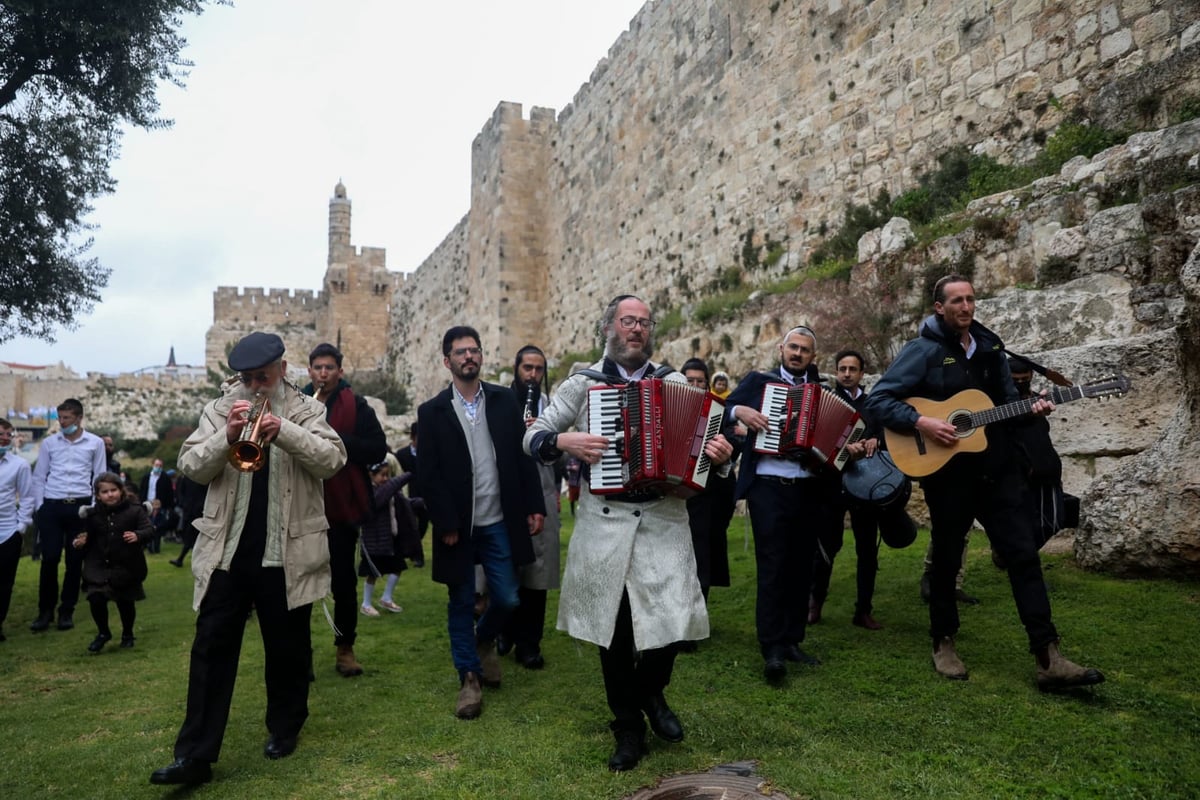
(969, 412)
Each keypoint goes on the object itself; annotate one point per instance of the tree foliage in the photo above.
(72, 72)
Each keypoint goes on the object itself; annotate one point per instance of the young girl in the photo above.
(114, 564)
(391, 523)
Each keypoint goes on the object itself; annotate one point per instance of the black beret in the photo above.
(256, 350)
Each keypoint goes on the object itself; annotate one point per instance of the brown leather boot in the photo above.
(1055, 673)
(470, 698)
(347, 665)
(489, 660)
(946, 660)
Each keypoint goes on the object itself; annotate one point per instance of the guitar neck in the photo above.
(1058, 395)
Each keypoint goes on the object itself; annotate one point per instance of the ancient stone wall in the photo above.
(712, 125)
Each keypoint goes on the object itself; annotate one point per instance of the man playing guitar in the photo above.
(952, 353)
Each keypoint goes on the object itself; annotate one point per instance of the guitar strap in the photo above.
(1053, 375)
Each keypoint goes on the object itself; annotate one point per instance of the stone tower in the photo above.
(357, 293)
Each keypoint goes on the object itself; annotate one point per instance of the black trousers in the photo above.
(528, 621)
(343, 575)
(709, 515)
(58, 523)
(10, 557)
(125, 608)
(287, 645)
(864, 522)
(958, 496)
(786, 519)
(630, 677)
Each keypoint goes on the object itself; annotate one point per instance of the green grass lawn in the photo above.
(873, 722)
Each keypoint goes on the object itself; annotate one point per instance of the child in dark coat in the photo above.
(114, 562)
(384, 531)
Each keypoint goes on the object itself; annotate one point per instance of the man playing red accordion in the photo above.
(790, 499)
(630, 583)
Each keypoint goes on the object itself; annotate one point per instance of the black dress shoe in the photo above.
(127, 640)
(631, 746)
(176, 562)
(965, 598)
(504, 645)
(41, 623)
(529, 657)
(663, 721)
(98, 643)
(65, 622)
(793, 653)
(774, 667)
(279, 746)
(183, 770)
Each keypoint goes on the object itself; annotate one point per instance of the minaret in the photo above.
(339, 224)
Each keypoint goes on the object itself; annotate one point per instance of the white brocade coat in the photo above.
(642, 548)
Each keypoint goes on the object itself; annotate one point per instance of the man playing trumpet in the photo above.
(262, 545)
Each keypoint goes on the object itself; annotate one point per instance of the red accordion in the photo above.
(811, 419)
(657, 430)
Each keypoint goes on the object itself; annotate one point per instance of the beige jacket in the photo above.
(306, 452)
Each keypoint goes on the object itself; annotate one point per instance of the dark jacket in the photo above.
(347, 494)
(112, 566)
(377, 537)
(163, 488)
(444, 472)
(934, 366)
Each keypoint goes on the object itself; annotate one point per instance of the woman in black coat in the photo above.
(114, 560)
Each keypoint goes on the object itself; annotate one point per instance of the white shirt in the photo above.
(16, 496)
(67, 468)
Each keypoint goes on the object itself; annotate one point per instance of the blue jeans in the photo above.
(494, 553)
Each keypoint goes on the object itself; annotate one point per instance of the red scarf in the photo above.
(347, 500)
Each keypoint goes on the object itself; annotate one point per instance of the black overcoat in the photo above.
(444, 473)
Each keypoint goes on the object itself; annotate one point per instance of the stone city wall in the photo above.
(712, 125)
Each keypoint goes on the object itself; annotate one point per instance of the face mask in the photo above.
(4, 449)
(156, 470)
(70, 431)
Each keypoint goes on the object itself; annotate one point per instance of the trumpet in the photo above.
(248, 453)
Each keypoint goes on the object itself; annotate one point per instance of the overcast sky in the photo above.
(287, 97)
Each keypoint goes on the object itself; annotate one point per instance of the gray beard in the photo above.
(616, 350)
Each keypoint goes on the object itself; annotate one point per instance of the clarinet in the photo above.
(530, 399)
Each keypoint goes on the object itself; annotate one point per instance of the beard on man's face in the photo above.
(467, 370)
(619, 351)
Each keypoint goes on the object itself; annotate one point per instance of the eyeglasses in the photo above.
(629, 323)
(253, 377)
(466, 351)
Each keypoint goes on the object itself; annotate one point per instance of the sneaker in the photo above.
(390, 606)
(369, 611)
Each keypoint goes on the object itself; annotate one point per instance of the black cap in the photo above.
(256, 350)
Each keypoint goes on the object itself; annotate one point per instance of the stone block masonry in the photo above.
(713, 128)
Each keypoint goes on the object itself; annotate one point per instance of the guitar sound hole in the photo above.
(961, 422)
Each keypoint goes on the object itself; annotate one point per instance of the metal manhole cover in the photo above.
(726, 782)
